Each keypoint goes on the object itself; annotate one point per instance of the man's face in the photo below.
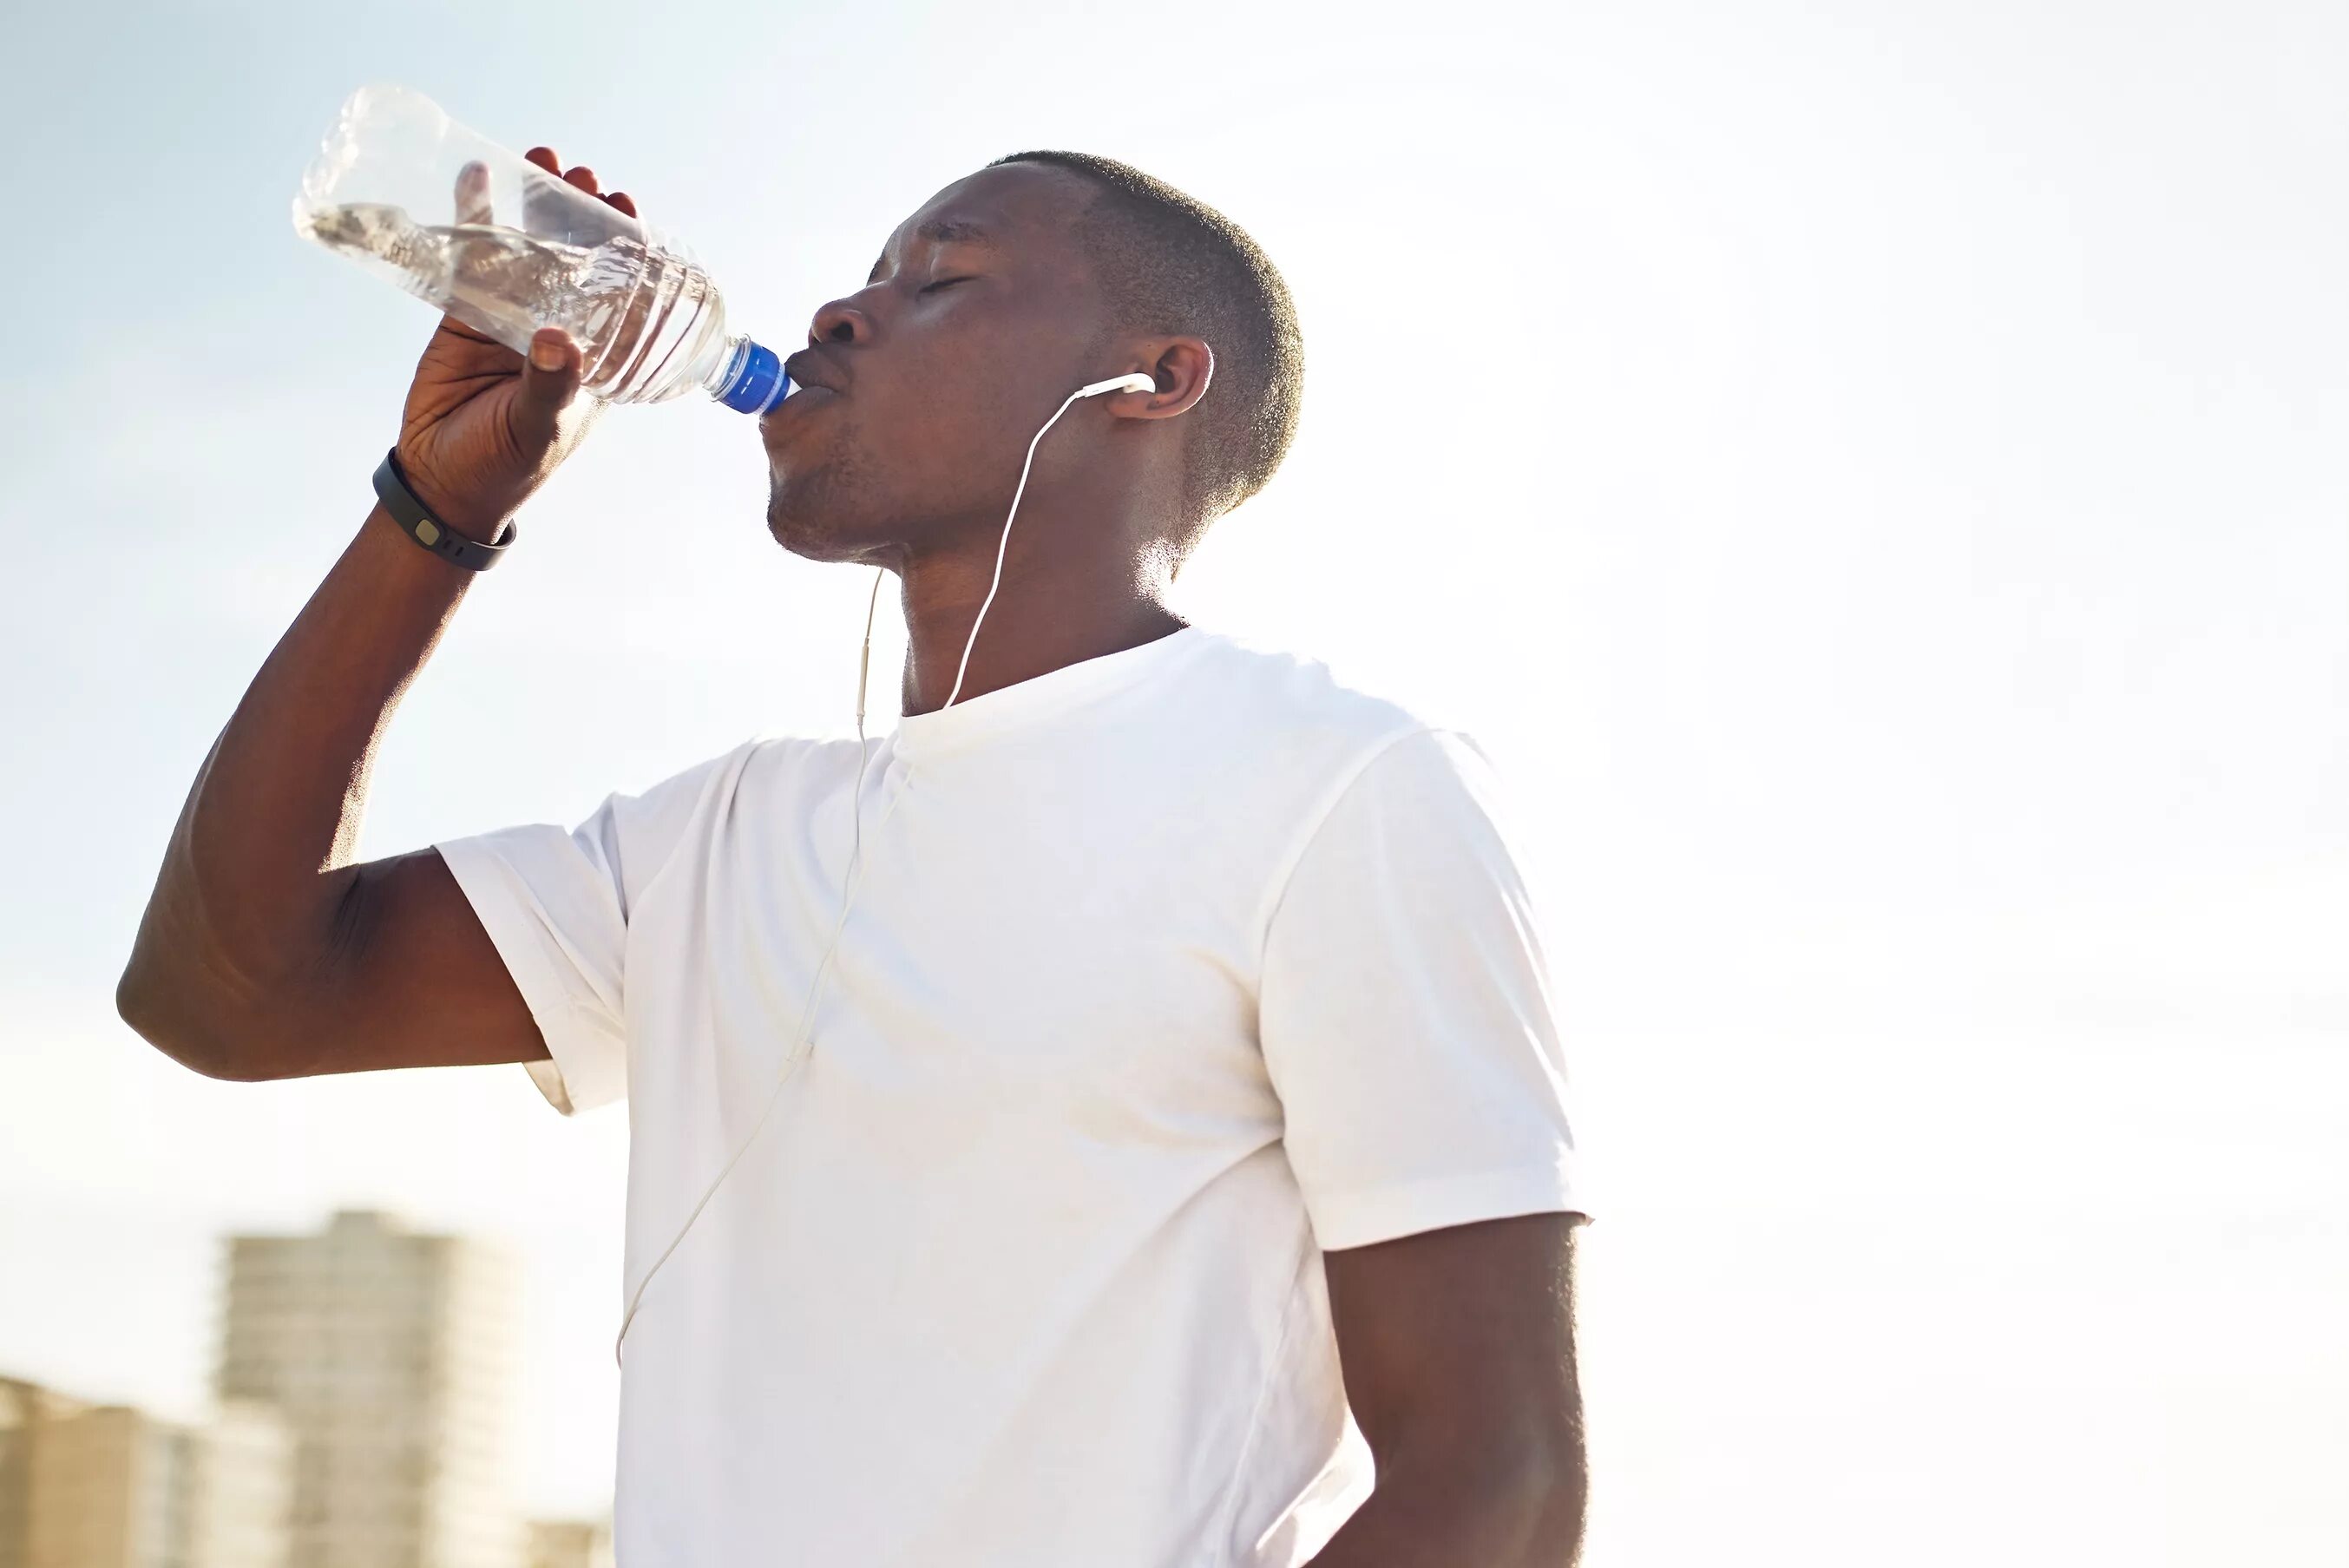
(918, 393)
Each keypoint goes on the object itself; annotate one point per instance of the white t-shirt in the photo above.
(1166, 971)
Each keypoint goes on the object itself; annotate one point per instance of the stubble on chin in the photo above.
(813, 511)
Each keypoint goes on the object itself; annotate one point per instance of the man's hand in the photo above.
(484, 427)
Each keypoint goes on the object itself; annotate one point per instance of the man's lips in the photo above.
(809, 369)
(814, 381)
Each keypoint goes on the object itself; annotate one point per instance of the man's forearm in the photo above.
(1448, 1514)
(243, 904)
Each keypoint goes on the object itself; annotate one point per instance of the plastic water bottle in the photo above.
(507, 248)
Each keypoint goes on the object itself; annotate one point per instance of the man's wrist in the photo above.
(459, 520)
(462, 542)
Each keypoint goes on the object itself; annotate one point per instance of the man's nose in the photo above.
(841, 322)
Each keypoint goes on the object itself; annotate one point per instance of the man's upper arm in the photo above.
(1464, 1330)
(1458, 1351)
(510, 946)
(413, 980)
(1406, 1024)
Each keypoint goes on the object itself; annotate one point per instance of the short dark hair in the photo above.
(1169, 263)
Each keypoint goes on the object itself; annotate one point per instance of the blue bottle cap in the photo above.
(762, 383)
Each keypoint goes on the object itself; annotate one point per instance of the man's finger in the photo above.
(473, 193)
(549, 381)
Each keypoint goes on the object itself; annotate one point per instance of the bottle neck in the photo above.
(746, 376)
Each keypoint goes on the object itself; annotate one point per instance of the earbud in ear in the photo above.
(1136, 382)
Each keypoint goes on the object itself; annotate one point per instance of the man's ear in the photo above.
(1180, 366)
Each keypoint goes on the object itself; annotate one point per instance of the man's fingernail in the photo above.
(546, 354)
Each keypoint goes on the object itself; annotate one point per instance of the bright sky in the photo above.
(1873, 474)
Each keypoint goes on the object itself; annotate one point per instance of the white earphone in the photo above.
(1134, 383)
(801, 1037)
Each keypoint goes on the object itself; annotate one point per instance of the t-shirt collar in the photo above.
(1026, 703)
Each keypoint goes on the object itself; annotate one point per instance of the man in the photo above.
(1012, 1197)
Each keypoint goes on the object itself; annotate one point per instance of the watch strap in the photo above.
(413, 515)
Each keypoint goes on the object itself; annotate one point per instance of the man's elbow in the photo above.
(1543, 1489)
(167, 1017)
(1514, 1500)
(1558, 1505)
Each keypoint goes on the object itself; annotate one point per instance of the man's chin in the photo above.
(803, 536)
(812, 525)
(812, 488)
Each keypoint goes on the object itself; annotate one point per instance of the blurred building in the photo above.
(26, 1410)
(390, 1357)
(244, 1512)
(106, 1486)
(570, 1543)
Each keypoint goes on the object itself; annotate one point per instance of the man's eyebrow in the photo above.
(953, 231)
(940, 231)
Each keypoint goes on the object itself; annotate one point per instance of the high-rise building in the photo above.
(390, 1357)
(105, 1486)
(26, 1409)
(570, 1543)
(244, 1505)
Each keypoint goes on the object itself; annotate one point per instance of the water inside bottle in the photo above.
(646, 321)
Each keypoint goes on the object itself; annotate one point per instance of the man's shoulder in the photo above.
(1297, 703)
(758, 761)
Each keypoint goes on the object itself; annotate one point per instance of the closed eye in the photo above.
(942, 283)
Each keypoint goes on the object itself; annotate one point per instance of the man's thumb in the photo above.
(550, 376)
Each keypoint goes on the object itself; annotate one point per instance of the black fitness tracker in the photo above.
(429, 532)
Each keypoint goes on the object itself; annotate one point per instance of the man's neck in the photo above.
(1054, 609)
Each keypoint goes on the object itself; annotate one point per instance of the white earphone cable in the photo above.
(1003, 545)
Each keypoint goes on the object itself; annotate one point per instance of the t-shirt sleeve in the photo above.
(556, 904)
(1404, 1010)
